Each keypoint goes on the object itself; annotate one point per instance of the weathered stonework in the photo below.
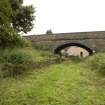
(94, 40)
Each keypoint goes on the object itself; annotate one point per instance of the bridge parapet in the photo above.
(94, 40)
(67, 36)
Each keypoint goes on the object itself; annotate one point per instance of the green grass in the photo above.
(17, 60)
(33, 54)
(68, 83)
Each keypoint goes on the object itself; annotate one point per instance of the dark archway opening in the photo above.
(59, 48)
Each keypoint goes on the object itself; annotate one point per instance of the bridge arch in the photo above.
(58, 49)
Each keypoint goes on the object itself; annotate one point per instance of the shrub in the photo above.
(20, 57)
(9, 38)
(9, 69)
(17, 56)
(22, 42)
(15, 61)
(97, 62)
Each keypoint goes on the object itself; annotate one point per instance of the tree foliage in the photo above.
(5, 20)
(5, 12)
(8, 35)
(49, 32)
(23, 16)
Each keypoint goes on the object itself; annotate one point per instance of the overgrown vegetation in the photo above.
(69, 83)
(97, 62)
(22, 16)
(21, 58)
(8, 35)
(14, 18)
(73, 82)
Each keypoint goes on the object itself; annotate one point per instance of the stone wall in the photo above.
(93, 40)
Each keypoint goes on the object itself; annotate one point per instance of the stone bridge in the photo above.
(91, 41)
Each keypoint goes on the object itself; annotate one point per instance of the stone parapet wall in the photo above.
(67, 36)
(93, 40)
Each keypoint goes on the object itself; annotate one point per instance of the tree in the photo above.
(5, 13)
(8, 35)
(5, 20)
(23, 16)
(49, 32)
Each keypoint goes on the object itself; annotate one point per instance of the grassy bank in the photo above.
(69, 83)
(33, 54)
(14, 61)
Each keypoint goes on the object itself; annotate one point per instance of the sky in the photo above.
(63, 16)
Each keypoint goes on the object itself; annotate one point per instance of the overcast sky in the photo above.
(68, 15)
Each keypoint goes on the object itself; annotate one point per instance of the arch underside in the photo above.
(59, 48)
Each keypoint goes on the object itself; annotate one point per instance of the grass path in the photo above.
(61, 84)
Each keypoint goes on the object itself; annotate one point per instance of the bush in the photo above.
(17, 56)
(9, 38)
(22, 42)
(9, 69)
(97, 62)
(20, 57)
(15, 61)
